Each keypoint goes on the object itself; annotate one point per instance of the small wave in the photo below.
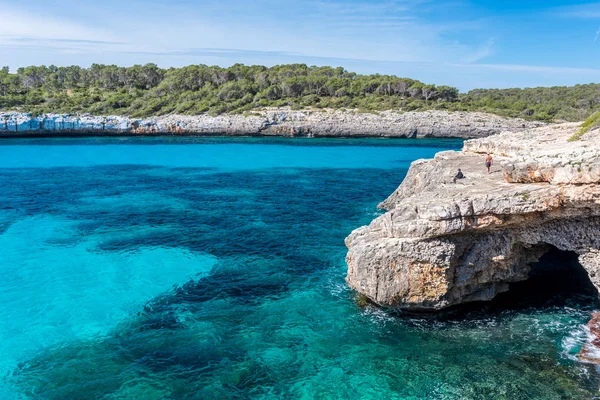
(572, 343)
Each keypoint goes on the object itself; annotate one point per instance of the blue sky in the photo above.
(464, 43)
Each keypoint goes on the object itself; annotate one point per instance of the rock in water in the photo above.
(590, 352)
(442, 243)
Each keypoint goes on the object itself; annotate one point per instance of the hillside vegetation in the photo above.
(590, 123)
(145, 90)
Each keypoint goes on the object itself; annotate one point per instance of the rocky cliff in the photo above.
(270, 122)
(443, 243)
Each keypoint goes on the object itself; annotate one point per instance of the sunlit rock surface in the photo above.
(442, 243)
(270, 122)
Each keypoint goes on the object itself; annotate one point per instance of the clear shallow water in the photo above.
(193, 268)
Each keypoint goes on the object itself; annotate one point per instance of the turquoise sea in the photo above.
(200, 268)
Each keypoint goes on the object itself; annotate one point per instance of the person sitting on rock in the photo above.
(459, 175)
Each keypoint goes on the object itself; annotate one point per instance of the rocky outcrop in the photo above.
(442, 243)
(270, 122)
(590, 351)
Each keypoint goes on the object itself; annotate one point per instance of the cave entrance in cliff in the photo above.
(557, 279)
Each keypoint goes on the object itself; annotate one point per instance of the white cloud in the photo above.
(262, 31)
(383, 30)
(22, 31)
(16, 23)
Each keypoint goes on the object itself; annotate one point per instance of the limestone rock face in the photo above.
(443, 243)
(270, 122)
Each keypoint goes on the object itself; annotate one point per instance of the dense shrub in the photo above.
(144, 90)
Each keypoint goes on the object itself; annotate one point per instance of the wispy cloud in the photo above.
(213, 52)
(28, 32)
(28, 40)
(338, 29)
(361, 8)
(73, 46)
(483, 52)
(586, 11)
(532, 68)
(17, 23)
(426, 39)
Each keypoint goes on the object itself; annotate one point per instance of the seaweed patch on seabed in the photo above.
(180, 334)
(195, 340)
(260, 308)
(184, 341)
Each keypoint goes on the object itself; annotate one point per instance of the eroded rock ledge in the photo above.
(270, 122)
(441, 244)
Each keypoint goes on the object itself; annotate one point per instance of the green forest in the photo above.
(145, 90)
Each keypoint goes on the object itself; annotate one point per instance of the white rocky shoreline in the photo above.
(270, 122)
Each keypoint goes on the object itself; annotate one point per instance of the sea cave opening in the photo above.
(557, 279)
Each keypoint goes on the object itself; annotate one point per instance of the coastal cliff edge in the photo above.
(269, 122)
(442, 243)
